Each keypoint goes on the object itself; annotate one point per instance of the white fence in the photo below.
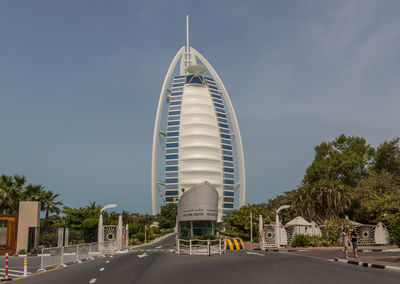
(369, 234)
(51, 257)
(199, 247)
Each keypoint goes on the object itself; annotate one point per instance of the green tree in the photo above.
(387, 157)
(49, 204)
(33, 192)
(322, 200)
(167, 216)
(239, 220)
(10, 193)
(376, 195)
(345, 159)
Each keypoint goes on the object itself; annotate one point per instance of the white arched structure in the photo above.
(186, 56)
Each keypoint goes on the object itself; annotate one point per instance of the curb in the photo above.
(366, 264)
(151, 242)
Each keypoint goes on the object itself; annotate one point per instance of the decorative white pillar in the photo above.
(100, 229)
(277, 235)
(261, 238)
(119, 233)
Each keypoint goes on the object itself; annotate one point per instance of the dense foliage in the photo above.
(237, 223)
(348, 177)
(13, 190)
(167, 216)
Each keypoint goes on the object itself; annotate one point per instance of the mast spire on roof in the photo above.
(188, 55)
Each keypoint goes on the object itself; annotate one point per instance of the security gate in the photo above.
(8, 233)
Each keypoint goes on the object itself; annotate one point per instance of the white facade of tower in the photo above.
(199, 142)
(199, 138)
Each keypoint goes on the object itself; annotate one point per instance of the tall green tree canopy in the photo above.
(387, 157)
(167, 216)
(345, 159)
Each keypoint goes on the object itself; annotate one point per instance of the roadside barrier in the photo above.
(69, 254)
(199, 247)
(25, 266)
(83, 252)
(234, 244)
(50, 257)
(6, 276)
(60, 256)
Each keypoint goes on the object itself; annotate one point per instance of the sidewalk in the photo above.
(387, 256)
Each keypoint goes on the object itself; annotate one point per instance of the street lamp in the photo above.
(100, 227)
(277, 225)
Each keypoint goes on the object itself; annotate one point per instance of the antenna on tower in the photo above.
(187, 34)
(188, 55)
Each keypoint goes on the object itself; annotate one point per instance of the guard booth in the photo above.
(14, 228)
(198, 212)
(8, 233)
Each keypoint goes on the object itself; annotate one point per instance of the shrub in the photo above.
(334, 228)
(301, 240)
(393, 221)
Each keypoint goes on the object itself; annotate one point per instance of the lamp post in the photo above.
(100, 227)
(251, 227)
(277, 225)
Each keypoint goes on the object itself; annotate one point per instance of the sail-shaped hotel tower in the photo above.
(199, 137)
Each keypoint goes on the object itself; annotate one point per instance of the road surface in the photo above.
(156, 264)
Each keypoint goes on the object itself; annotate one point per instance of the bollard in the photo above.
(41, 262)
(77, 254)
(25, 266)
(220, 250)
(90, 250)
(6, 265)
(178, 247)
(190, 247)
(208, 247)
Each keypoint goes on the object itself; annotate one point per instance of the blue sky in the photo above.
(80, 80)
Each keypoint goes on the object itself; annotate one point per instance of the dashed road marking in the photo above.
(158, 247)
(142, 255)
(255, 253)
(101, 269)
(107, 261)
(93, 280)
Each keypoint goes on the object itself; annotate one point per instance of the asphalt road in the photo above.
(156, 264)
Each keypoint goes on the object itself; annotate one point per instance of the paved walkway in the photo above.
(389, 256)
(381, 255)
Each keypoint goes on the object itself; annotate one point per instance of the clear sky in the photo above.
(80, 80)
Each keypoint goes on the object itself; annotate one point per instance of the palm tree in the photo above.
(33, 192)
(49, 204)
(10, 193)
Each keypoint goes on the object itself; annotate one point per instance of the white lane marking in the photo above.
(93, 280)
(107, 261)
(10, 274)
(158, 247)
(11, 270)
(111, 256)
(249, 252)
(101, 269)
(142, 255)
(171, 250)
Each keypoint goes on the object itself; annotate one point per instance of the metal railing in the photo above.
(199, 247)
(60, 256)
